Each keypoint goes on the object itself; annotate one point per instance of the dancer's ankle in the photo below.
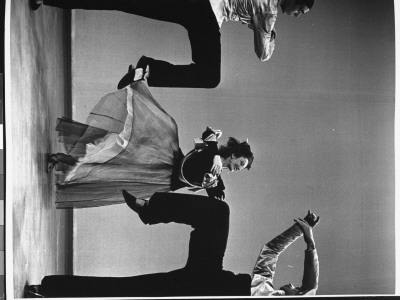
(138, 74)
(140, 202)
(141, 74)
(134, 203)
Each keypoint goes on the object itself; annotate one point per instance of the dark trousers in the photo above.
(202, 275)
(195, 15)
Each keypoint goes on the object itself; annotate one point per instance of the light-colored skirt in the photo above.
(128, 142)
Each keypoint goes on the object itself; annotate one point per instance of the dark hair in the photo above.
(309, 3)
(239, 149)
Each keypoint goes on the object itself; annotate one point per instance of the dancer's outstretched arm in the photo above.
(264, 270)
(264, 35)
(311, 264)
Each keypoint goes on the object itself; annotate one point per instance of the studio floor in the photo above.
(39, 69)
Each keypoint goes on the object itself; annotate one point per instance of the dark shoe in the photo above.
(142, 63)
(52, 161)
(131, 201)
(32, 291)
(129, 77)
(35, 4)
(66, 159)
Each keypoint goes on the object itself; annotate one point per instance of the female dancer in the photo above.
(130, 142)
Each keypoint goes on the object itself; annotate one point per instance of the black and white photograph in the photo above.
(200, 148)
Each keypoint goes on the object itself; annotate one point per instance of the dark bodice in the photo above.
(196, 167)
(199, 164)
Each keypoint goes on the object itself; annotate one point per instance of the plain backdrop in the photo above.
(319, 116)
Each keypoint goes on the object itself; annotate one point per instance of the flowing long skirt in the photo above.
(128, 142)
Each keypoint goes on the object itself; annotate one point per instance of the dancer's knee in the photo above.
(224, 208)
(212, 80)
(207, 74)
(221, 212)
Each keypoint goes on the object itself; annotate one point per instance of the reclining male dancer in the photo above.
(203, 274)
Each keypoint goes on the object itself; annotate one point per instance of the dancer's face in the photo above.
(290, 8)
(237, 163)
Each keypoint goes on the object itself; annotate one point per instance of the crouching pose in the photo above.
(203, 274)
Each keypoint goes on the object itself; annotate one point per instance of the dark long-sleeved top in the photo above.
(196, 168)
(264, 270)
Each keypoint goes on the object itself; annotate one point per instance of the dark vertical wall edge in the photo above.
(2, 107)
(68, 113)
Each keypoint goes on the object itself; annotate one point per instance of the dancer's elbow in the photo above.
(263, 56)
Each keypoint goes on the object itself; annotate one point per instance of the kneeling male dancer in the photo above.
(203, 274)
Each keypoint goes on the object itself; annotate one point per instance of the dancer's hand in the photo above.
(216, 168)
(220, 195)
(216, 193)
(273, 35)
(311, 219)
(307, 233)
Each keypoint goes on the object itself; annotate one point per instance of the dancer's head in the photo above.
(290, 290)
(296, 8)
(236, 155)
(286, 290)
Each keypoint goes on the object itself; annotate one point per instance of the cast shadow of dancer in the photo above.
(202, 19)
(203, 274)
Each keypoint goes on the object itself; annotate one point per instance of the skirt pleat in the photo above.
(128, 142)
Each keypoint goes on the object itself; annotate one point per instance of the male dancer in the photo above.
(202, 19)
(203, 274)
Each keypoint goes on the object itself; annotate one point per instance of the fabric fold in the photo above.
(128, 142)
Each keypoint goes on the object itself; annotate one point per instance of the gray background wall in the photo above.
(319, 116)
